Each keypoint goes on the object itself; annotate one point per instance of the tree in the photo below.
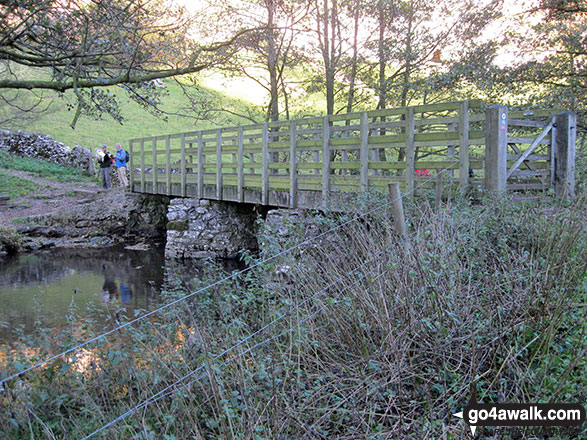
(412, 40)
(270, 49)
(87, 45)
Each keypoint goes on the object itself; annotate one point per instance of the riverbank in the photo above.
(81, 214)
(366, 337)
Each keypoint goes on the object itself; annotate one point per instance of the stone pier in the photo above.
(204, 228)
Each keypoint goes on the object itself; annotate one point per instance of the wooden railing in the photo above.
(317, 162)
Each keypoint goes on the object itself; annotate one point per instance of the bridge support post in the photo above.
(496, 137)
(564, 155)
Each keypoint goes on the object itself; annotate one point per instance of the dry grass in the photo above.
(359, 336)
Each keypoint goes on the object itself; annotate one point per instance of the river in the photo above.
(47, 290)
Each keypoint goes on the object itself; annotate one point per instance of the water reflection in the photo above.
(42, 289)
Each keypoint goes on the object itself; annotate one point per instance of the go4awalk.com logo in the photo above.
(521, 414)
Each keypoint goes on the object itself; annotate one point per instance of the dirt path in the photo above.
(51, 197)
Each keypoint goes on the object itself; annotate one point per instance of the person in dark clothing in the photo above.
(105, 163)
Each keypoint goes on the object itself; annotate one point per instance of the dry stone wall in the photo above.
(43, 147)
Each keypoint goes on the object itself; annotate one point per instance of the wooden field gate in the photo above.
(530, 150)
(320, 162)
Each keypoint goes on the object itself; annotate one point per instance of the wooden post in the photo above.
(325, 161)
(182, 170)
(551, 150)
(168, 164)
(496, 137)
(410, 153)
(293, 164)
(219, 164)
(154, 166)
(364, 152)
(131, 165)
(240, 172)
(438, 195)
(464, 145)
(200, 165)
(397, 210)
(264, 169)
(142, 165)
(564, 171)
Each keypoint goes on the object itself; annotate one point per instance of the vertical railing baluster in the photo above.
(182, 171)
(240, 167)
(410, 152)
(142, 165)
(264, 169)
(325, 161)
(293, 164)
(168, 163)
(154, 166)
(219, 164)
(464, 145)
(200, 165)
(364, 152)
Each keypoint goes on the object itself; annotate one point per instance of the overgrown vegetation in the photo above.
(42, 168)
(386, 342)
(10, 240)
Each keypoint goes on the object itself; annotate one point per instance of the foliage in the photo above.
(10, 240)
(42, 168)
(84, 47)
(361, 334)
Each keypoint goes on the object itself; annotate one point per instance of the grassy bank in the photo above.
(91, 132)
(354, 336)
(42, 168)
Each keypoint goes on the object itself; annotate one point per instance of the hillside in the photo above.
(91, 132)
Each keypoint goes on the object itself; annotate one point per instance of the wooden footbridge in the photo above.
(319, 162)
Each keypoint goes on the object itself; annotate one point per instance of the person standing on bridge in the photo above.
(120, 162)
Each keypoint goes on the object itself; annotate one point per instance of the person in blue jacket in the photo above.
(120, 162)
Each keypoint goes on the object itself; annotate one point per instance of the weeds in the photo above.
(361, 336)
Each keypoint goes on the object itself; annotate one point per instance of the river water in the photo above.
(48, 289)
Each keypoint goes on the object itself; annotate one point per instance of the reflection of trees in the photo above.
(128, 279)
(143, 268)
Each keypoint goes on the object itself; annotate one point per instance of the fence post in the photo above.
(464, 145)
(240, 171)
(397, 210)
(219, 164)
(496, 137)
(564, 155)
(364, 153)
(293, 164)
(410, 152)
(325, 161)
(438, 194)
(264, 169)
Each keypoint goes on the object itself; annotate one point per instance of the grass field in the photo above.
(91, 133)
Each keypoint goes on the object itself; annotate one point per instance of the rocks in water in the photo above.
(101, 242)
(43, 147)
(201, 229)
